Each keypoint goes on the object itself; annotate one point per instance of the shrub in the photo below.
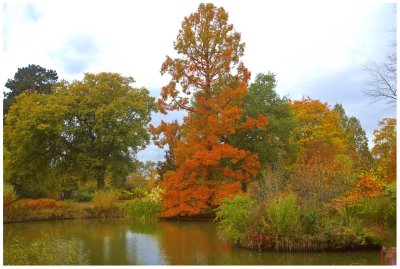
(270, 183)
(85, 196)
(234, 216)
(69, 186)
(283, 214)
(139, 192)
(89, 186)
(374, 237)
(309, 218)
(49, 250)
(125, 195)
(336, 233)
(9, 195)
(256, 224)
(105, 200)
(85, 192)
(155, 194)
(390, 215)
(373, 210)
(143, 208)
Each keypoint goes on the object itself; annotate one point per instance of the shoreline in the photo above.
(268, 244)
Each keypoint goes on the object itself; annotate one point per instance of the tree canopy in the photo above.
(32, 78)
(317, 124)
(32, 145)
(272, 145)
(85, 129)
(323, 166)
(356, 139)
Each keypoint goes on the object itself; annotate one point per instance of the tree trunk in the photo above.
(244, 186)
(100, 174)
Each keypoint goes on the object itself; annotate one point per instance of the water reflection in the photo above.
(120, 242)
(191, 242)
(143, 249)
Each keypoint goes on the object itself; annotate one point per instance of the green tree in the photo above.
(356, 138)
(33, 78)
(273, 144)
(105, 126)
(32, 142)
(89, 129)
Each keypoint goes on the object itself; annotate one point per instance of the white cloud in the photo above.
(303, 42)
(77, 55)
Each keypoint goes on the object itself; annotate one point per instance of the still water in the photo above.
(123, 242)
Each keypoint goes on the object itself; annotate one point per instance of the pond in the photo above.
(126, 242)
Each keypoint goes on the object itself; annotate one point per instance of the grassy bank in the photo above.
(104, 204)
(47, 209)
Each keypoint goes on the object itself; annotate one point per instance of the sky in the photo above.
(316, 48)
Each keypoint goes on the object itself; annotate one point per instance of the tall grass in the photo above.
(283, 214)
(35, 209)
(143, 209)
(49, 250)
(43, 203)
(105, 200)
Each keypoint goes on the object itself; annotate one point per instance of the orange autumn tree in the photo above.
(209, 82)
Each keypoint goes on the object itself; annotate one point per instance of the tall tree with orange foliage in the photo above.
(209, 81)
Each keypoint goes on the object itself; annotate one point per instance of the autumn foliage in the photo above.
(322, 168)
(316, 123)
(276, 173)
(212, 83)
(384, 150)
(320, 176)
(368, 186)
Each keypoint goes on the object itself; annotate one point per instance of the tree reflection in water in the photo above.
(123, 242)
(192, 243)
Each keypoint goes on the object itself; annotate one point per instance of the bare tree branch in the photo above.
(382, 85)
